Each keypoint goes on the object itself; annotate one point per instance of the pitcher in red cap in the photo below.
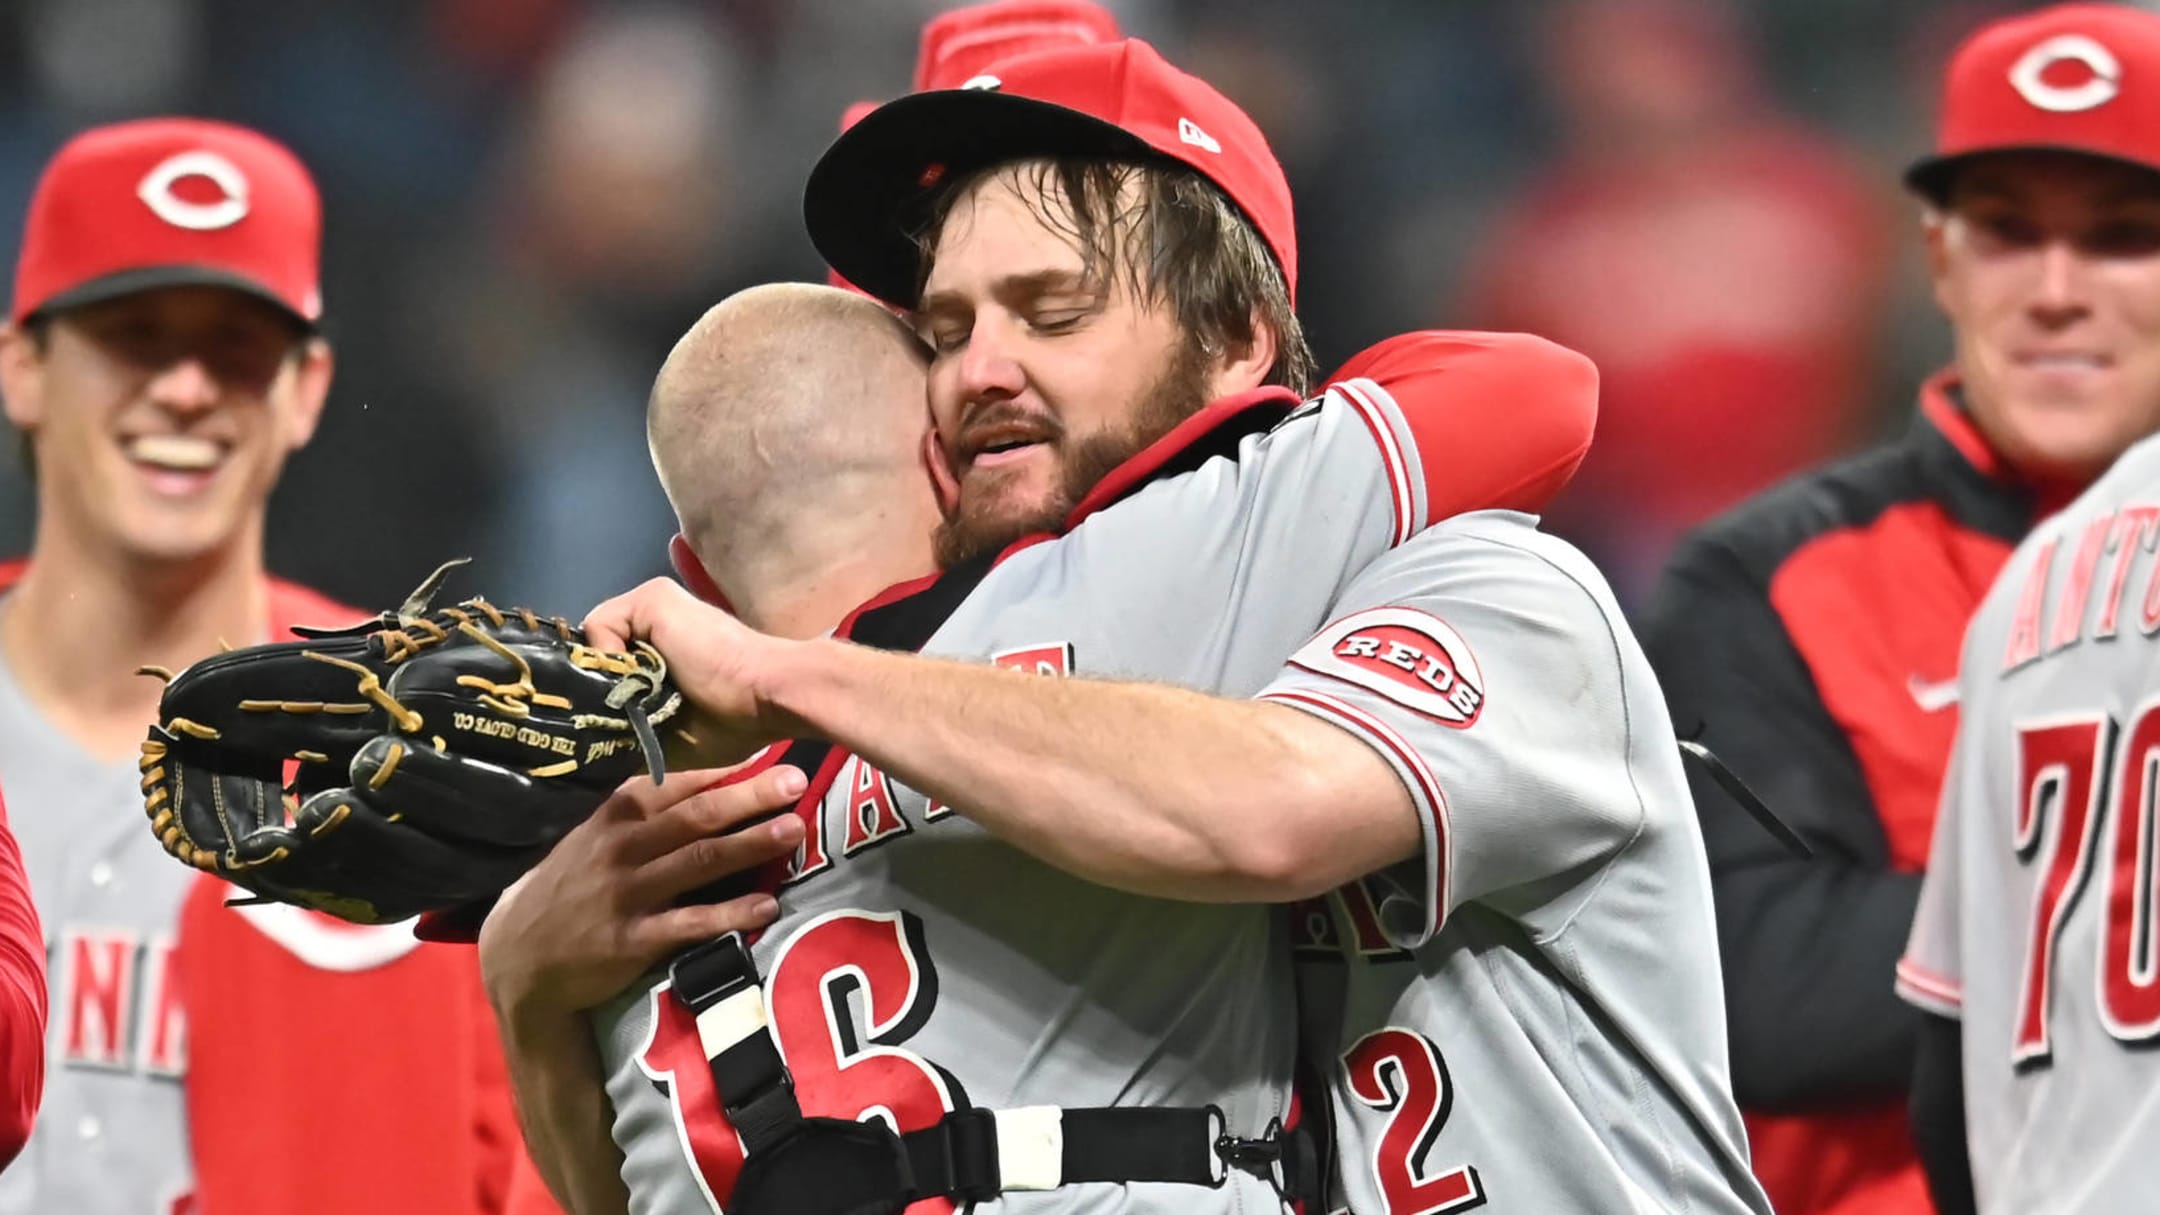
(162, 360)
(1814, 632)
(1114, 248)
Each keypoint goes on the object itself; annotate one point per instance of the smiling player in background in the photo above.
(162, 359)
(1813, 633)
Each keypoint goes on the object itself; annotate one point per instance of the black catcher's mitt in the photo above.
(416, 762)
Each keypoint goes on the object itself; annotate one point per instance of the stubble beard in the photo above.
(984, 522)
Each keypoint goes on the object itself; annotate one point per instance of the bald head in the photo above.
(786, 426)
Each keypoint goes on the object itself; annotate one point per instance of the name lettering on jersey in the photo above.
(872, 818)
(1312, 929)
(1413, 658)
(2041, 628)
(2077, 592)
(2137, 527)
(2024, 645)
(117, 1006)
(99, 988)
(161, 1028)
(873, 809)
(1317, 926)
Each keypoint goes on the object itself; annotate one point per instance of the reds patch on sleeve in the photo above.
(1411, 658)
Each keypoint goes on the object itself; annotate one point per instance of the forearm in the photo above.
(1938, 1115)
(1142, 787)
(563, 1111)
(22, 1003)
(22, 1062)
(1809, 950)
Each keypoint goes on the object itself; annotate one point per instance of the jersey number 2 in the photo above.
(842, 1068)
(2070, 792)
(1401, 1074)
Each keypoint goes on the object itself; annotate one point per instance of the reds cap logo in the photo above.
(2066, 74)
(1411, 658)
(159, 190)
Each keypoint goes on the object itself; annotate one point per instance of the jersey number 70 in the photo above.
(2070, 775)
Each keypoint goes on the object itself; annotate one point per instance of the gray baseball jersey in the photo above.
(111, 1133)
(920, 964)
(2036, 923)
(1529, 1014)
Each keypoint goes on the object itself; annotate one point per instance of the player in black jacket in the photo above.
(1814, 632)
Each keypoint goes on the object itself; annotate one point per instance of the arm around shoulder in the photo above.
(1143, 787)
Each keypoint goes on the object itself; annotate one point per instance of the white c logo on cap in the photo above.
(156, 190)
(2101, 88)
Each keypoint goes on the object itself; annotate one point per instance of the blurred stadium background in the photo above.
(528, 200)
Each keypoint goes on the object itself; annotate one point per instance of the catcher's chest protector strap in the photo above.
(823, 1166)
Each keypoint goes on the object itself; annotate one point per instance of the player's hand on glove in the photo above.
(417, 762)
(648, 874)
(716, 661)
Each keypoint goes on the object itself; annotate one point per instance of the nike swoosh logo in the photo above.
(1932, 697)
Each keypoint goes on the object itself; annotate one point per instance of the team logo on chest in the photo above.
(1411, 658)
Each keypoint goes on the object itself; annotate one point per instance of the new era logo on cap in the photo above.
(166, 202)
(1189, 131)
(2067, 73)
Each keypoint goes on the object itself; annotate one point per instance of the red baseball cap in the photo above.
(959, 45)
(2079, 78)
(1115, 101)
(163, 202)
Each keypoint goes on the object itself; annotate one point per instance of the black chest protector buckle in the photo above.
(827, 1166)
(799, 1165)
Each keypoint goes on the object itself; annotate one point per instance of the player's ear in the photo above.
(1245, 365)
(943, 482)
(1935, 240)
(312, 368)
(22, 377)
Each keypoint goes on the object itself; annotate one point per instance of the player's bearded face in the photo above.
(1043, 377)
(2048, 266)
(159, 421)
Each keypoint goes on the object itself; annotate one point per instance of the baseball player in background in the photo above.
(162, 359)
(2031, 958)
(22, 1000)
(1813, 634)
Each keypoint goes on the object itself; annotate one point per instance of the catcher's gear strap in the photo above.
(971, 1154)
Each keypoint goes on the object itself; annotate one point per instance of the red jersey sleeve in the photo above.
(22, 1000)
(1474, 421)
